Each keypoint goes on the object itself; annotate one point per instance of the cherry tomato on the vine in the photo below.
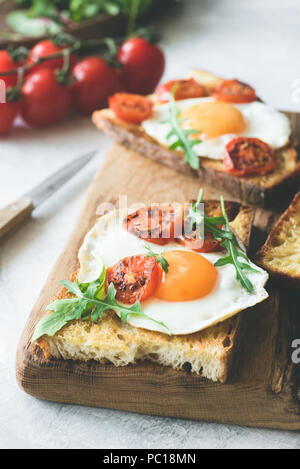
(7, 64)
(44, 49)
(44, 100)
(95, 82)
(8, 112)
(143, 65)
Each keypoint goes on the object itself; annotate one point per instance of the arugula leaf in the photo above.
(182, 135)
(61, 315)
(227, 239)
(110, 302)
(234, 252)
(89, 301)
(159, 258)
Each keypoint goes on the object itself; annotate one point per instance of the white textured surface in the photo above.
(253, 40)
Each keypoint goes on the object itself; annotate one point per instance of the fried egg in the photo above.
(218, 122)
(193, 295)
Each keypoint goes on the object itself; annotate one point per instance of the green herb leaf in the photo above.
(61, 315)
(182, 135)
(89, 301)
(228, 241)
(159, 258)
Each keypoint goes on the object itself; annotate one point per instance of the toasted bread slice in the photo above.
(208, 353)
(252, 189)
(280, 255)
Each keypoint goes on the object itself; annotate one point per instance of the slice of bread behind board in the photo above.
(280, 255)
(261, 189)
(208, 353)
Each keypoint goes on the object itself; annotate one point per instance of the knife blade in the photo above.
(16, 212)
(52, 183)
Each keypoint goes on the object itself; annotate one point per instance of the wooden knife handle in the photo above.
(14, 214)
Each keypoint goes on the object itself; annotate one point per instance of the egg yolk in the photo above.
(190, 276)
(213, 118)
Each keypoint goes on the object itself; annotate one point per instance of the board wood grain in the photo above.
(263, 389)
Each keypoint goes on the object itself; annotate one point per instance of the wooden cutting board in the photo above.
(264, 387)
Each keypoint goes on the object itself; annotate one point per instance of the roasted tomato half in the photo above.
(193, 241)
(186, 89)
(234, 91)
(248, 156)
(154, 224)
(192, 238)
(131, 108)
(135, 278)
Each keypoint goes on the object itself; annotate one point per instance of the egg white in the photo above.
(107, 243)
(262, 122)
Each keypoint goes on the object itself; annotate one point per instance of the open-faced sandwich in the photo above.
(280, 255)
(163, 283)
(212, 128)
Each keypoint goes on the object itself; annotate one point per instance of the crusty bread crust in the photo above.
(280, 255)
(261, 190)
(208, 353)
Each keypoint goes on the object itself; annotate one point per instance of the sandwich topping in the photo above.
(210, 123)
(246, 156)
(234, 91)
(185, 89)
(172, 288)
(132, 108)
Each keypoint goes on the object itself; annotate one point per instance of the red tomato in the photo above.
(234, 91)
(186, 89)
(143, 65)
(131, 108)
(194, 242)
(44, 99)
(154, 224)
(8, 112)
(95, 82)
(245, 156)
(192, 237)
(6, 64)
(45, 48)
(135, 278)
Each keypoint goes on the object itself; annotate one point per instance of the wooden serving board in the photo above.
(264, 387)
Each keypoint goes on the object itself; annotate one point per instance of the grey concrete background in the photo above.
(255, 40)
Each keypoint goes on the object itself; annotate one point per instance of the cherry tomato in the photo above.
(234, 91)
(95, 82)
(192, 237)
(44, 99)
(8, 112)
(7, 64)
(246, 156)
(185, 89)
(45, 48)
(143, 65)
(154, 224)
(131, 107)
(194, 242)
(135, 278)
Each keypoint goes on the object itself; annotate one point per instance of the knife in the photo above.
(16, 212)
